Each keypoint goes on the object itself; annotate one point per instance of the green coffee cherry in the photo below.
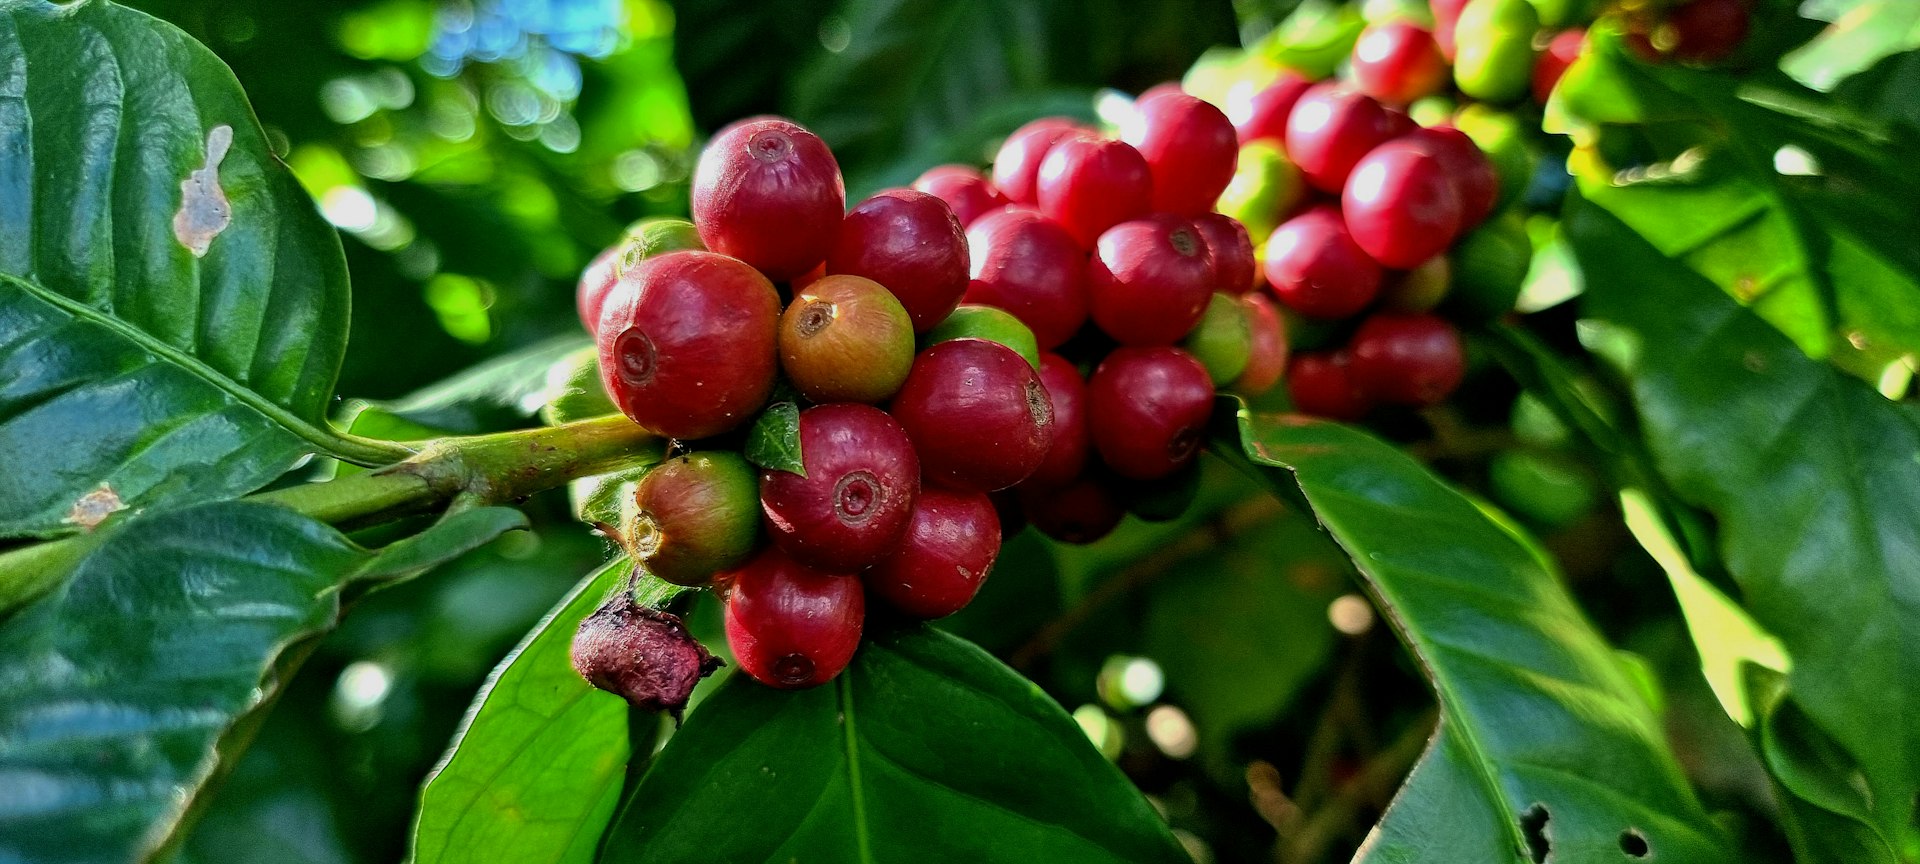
(656, 236)
(1544, 487)
(697, 515)
(1223, 340)
(1419, 289)
(973, 321)
(1489, 267)
(1433, 110)
(1266, 186)
(1493, 60)
(1504, 139)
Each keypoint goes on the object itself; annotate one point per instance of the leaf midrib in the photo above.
(850, 735)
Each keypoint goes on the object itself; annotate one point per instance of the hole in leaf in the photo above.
(1634, 843)
(1533, 826)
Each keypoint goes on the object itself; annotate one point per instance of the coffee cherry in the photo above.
(1148, 408)
(1493, 55)
(1265, 189)
(1446, 18)
(1489, 267)
(696, 515)
(1407, 359)
(1419, 289)
(1080, 512)
(1321, 383)
(1398, 62)
(1223, 341)
(977, 413)
(1231, 249)
(1072, 439)
(1016, 168)
(1266, 347)
(643, 655)
(910, 242)
(950, 544)
(768, 192)
(1331, 128)
(1149, 280)
(687, 343)
(1025, 264)
(1400, 205)
(1189, 147)
(846, 339)
(972, 321)
(1317, 270)
(1562, 50)
(645, 239)
(1468, 169)
(1088, 185)
(1705, 31)
(851, 506)
(1264, 112)
(967, 191)
(790, 625)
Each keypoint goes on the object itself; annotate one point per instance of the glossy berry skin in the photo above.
(1552, 63)
(596, 282)
(1080, 512)
(1016, 168)
(1321, 384)
(1267, 347)
(1412, 360)
(1398, 62)
(853, 503)
(1317, 270)
(967, 191)
(695, 516)
(1463, 163)
(1088, 185)
(911, 243)
(1189, 147)
(949, 548)
(1025, 264)
(1234, 268)
(977, 413)
(768, 192)
(792, 626)
(845, 339)
(687, 343)
(1072, 438)
(973, 321)
(1705, 31)
(645, 239)
(1264, 113)
(1149, 280)
(1148, 408)
(1400, 205)
(1330, 129)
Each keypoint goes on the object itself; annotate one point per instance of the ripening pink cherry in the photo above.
(1089, 184)
(1398, 62)
(1317, 270)
(1263, 113)
(967, 191)
(1016, 168)
(1189, 146)
(1330, 128)
(1400, 205)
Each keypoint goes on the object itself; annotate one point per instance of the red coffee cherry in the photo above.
(1189, 146)
(1088, 185)
(1321, 383)
(1400, 205)
(790, 625)
(1552, 63)
(1080, 512)
(977, 413)
(852, 505)
(1234, 268)
(948, 549)
(687, 343)
(1705, 31)
(1027, 265)
(768, 192)
(845, 339)
(1330, 128)
(1264, 112)
(1149, 280)
(911, 243)
(1267, 356)
(1072, 440)
(1016, 168)
(1317, 270)
(1398, 62)
(1407, 359)
(1446, 18)
(967, 191)
(1463, 163)
(1148, 408)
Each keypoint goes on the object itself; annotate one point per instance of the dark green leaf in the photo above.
(1540, 723)
(535, 771)
(156, 317)
(170, 629)
(1814, 479)
(1317, 37)
(774, 441)
(924, 750)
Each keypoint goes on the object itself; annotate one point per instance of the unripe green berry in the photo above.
(1493, 60)
(973, 321)
(1419, 289)
(696, 515)
(1223, 340)
(1266, 186)
(1489, 268)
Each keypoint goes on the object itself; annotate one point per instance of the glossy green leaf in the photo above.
(1316, 38)
(1813, 477)
(1545, 746)
(169, 297)
(774, 441)
(1858, 37)
(536, 769)
(924, 750)
(123, 683)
